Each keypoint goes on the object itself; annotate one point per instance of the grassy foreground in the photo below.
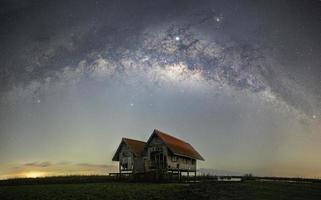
(128, 191)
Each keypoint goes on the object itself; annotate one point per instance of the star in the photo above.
(177, 38)
(314, 116)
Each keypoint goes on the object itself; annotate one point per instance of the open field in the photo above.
(204, 190)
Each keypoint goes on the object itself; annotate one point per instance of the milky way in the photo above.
(240, 80)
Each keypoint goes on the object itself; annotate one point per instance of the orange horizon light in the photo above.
(34, 174)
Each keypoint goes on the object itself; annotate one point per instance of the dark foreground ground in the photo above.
(205, 190)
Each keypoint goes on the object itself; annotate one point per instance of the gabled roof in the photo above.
(177, 146)
(135, 146)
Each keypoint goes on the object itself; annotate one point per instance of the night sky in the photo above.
(239, 80)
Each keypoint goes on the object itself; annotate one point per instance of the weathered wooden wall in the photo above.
(126, 157)
(181, 163)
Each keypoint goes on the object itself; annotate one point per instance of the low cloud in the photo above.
(38, 164)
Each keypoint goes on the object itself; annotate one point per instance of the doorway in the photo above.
(158, 160)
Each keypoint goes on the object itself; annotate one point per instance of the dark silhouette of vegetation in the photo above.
(57, 180)
(103, 179)
(83, 188)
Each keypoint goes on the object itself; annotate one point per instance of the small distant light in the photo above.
(131, 104)
(314, 116)
(217, 19)
(38, 101)
(177, 38)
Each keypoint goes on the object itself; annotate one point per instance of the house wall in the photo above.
(181, 163)
(154, 144)
(126, 158)
(138, 165)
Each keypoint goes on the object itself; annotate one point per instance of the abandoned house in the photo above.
(162, 153)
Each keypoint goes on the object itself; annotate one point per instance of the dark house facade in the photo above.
(162, 153)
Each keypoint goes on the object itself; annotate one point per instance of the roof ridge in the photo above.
(159, 131)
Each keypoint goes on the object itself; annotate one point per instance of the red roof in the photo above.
(135, 146)
(177, 146)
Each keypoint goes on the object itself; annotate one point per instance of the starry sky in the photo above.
(239, 80)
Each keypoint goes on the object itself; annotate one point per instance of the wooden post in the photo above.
(119, 170)
(188, 175)
(189, 164)
(164, 166)
(195, 170)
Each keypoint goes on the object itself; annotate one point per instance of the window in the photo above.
(156, 148)
(193, 162)
(125, 154)
(174, 158)
(124, 166)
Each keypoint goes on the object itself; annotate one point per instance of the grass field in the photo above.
(205, 190)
